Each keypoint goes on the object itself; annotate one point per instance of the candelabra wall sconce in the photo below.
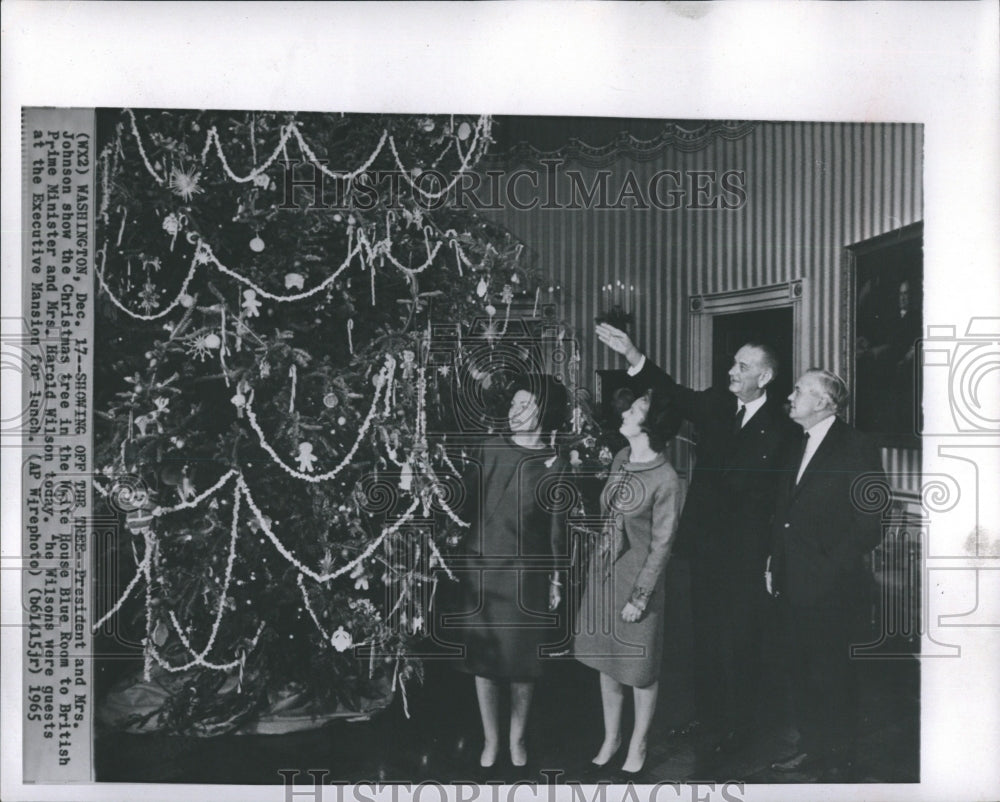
(617, 304)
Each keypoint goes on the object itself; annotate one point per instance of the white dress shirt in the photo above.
(816, 434)
(751, 406)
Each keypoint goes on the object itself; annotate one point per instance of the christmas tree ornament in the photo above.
(121, 228)
(406, 477)
(257, 244)
(491, 310)
(213, 341)
(341, 420)
(239, 401)
(294, 280)
(172, 224)
(464, 131)
(341, 639)
(160, 633)
(251, 306)
(184, 183)
(148, 296)
(427, 125)
(186, 491)
(197, 346)
(202, 254)
(306, 458)
(330, 400)
(409, 361)
(481, 288)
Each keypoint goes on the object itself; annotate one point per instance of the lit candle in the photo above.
(534, 312)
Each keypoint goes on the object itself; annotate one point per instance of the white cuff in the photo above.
(634, 369)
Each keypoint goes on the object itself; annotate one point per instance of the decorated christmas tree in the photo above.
(293, 313)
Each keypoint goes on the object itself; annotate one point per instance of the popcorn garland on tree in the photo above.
(244, 306)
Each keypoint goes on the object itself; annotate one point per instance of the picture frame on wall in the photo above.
(883, 288)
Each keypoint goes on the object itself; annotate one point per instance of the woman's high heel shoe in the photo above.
(597, 771)
(623, 776)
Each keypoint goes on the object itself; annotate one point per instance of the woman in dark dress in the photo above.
(515, 550)
(620, 623)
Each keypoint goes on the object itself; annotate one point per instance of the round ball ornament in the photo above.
(160, 633)
(257, 244)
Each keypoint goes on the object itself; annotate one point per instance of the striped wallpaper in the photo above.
(811, 189)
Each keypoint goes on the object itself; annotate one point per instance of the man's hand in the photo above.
(631, 613)
(555, 595)
(619, 342)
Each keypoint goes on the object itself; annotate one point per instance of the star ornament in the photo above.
(184, 183)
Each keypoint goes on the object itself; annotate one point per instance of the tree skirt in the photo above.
(135, 705)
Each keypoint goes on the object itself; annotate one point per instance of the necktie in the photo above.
(802, 454)
(738, 420)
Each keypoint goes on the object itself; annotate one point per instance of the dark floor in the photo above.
(442, 738)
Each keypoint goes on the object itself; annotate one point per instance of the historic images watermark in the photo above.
(498, 791)
(550, 186)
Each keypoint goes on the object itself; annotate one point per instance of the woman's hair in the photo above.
(549, 394)
(662, 421)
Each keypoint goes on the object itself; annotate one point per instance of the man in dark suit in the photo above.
(743, 435)
(827, 518)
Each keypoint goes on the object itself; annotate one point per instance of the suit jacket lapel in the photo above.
(761, 419)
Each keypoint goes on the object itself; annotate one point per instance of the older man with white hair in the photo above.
(827, 518)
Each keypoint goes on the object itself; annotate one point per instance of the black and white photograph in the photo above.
(344, 409)
(450, 444)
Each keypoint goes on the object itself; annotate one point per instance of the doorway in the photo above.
(773, 327)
